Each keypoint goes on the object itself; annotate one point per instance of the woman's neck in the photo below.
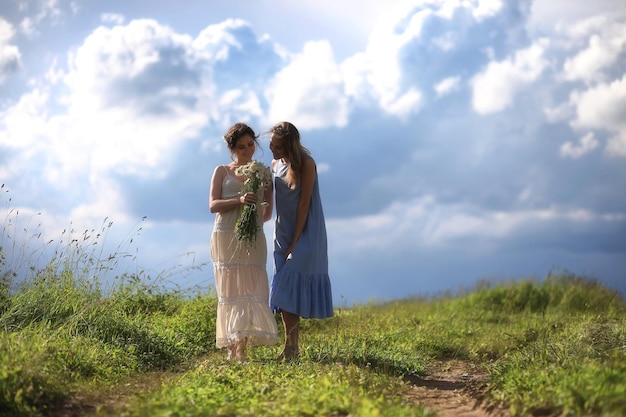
(239, 163)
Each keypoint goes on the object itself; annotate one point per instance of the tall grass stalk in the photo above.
(69, 312)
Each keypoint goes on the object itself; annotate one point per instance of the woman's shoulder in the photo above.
(220, 171)
(308, 163)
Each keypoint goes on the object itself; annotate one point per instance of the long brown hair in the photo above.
(296, 153)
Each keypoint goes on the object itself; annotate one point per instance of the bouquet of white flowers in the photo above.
(256, 174)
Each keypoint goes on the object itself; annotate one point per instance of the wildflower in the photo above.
(256, 174)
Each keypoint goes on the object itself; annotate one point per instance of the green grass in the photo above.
(555, 346)
(568, 358)
(270, 389)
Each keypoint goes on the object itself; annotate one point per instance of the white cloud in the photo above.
(356, 70)
(309, 90)
(106, 202)
(548, 15)
(617, 144)
(559, 113)
(447, 86)
(604, 107)
(134, 97)
(131, 97)
(386, 41)
(9, 54)
(484, 9)
(405, 105)
(242, 104)
(605, 45)
(115, 18)
(479, 9)
(25, 123)
(138, 61)
(48, 10)
(425, 223)
(375, 77)
(215, 41)
(495, 88)
(445, 42)
(587, 144)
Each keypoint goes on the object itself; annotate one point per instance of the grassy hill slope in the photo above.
(551, 347)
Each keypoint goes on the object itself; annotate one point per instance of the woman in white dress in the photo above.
(244, 317)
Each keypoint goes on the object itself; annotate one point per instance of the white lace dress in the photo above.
(241, 279)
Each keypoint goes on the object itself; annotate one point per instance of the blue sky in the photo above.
(456, 141)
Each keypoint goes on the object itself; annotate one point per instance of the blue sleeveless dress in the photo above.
(300, 284)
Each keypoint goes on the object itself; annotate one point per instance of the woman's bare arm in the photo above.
(216, 203)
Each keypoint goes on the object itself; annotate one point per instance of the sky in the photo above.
(456, 141)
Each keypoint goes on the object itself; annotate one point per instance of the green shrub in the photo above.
(49, 299)
(27, 380)
(194, 325)
(572, 293)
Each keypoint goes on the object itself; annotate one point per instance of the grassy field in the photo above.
(555, 346)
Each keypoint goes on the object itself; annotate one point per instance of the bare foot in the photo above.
(288, 354)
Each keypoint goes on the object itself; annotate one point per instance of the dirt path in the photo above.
(110, 401)
(452, 389)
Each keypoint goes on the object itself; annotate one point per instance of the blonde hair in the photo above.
(296, 153)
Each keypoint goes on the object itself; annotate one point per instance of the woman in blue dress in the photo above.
(300, 285)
